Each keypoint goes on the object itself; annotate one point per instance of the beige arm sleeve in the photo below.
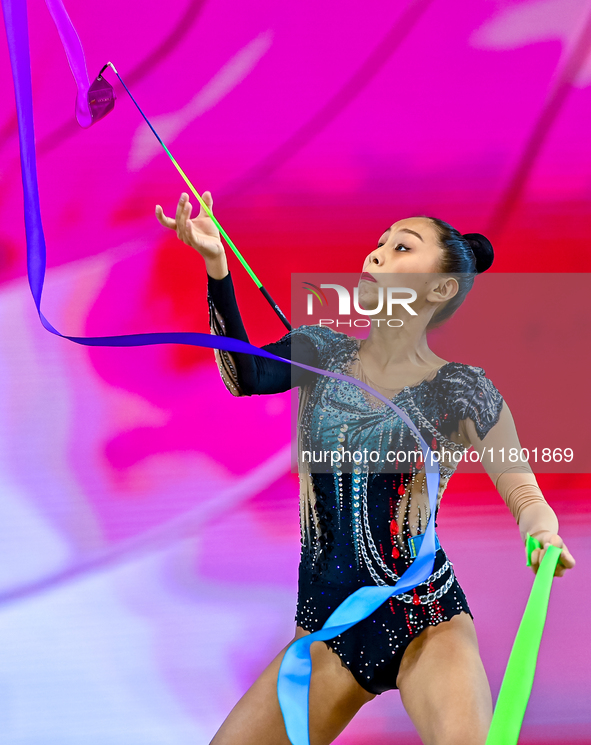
(515, 482)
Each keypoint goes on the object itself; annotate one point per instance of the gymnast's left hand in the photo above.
(546, 538)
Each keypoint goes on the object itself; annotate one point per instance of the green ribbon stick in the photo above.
(519, 675)
(206, 209)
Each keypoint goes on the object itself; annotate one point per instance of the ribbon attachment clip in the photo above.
(101, 96)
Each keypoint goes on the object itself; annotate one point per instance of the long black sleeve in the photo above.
(248, 374)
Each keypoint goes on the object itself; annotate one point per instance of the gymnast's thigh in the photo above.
(335, 698)
(443, 685)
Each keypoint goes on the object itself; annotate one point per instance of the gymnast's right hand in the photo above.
(200, 233)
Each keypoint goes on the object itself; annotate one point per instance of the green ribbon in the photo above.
(519, 675)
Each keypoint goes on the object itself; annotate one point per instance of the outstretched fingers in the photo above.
(208, 199)
(184, 198)
(184, 228)
(168, 222)
(200, 233)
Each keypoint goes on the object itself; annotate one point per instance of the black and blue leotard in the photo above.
(359, 519)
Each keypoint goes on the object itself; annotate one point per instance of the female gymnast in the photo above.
(361, 522)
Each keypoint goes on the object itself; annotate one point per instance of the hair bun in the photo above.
(482, 250)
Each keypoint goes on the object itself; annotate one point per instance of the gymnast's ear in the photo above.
(444, 288)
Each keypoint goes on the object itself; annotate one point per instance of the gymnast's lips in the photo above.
(368, 277)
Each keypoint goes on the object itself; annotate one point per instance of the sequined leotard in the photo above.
(357, 518)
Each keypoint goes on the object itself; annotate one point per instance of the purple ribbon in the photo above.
(293, 683)
(75, 54)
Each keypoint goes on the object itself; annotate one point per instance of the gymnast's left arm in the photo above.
(518, 487)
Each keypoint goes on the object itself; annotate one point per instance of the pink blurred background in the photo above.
(149, 532)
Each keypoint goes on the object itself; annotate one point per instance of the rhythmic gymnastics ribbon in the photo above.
(75, 54)
(519, 674)
(94, 101)
(294, 678)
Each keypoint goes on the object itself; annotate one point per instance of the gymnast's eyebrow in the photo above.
(407, 230)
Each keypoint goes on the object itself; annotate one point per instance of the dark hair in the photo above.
(464, 256)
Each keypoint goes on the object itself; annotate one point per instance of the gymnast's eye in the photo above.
(401, 245)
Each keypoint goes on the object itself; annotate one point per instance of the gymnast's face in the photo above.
(408, 247)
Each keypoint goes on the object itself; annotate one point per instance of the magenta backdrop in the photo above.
(149, 520)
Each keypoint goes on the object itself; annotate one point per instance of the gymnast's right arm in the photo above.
(243, 374)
